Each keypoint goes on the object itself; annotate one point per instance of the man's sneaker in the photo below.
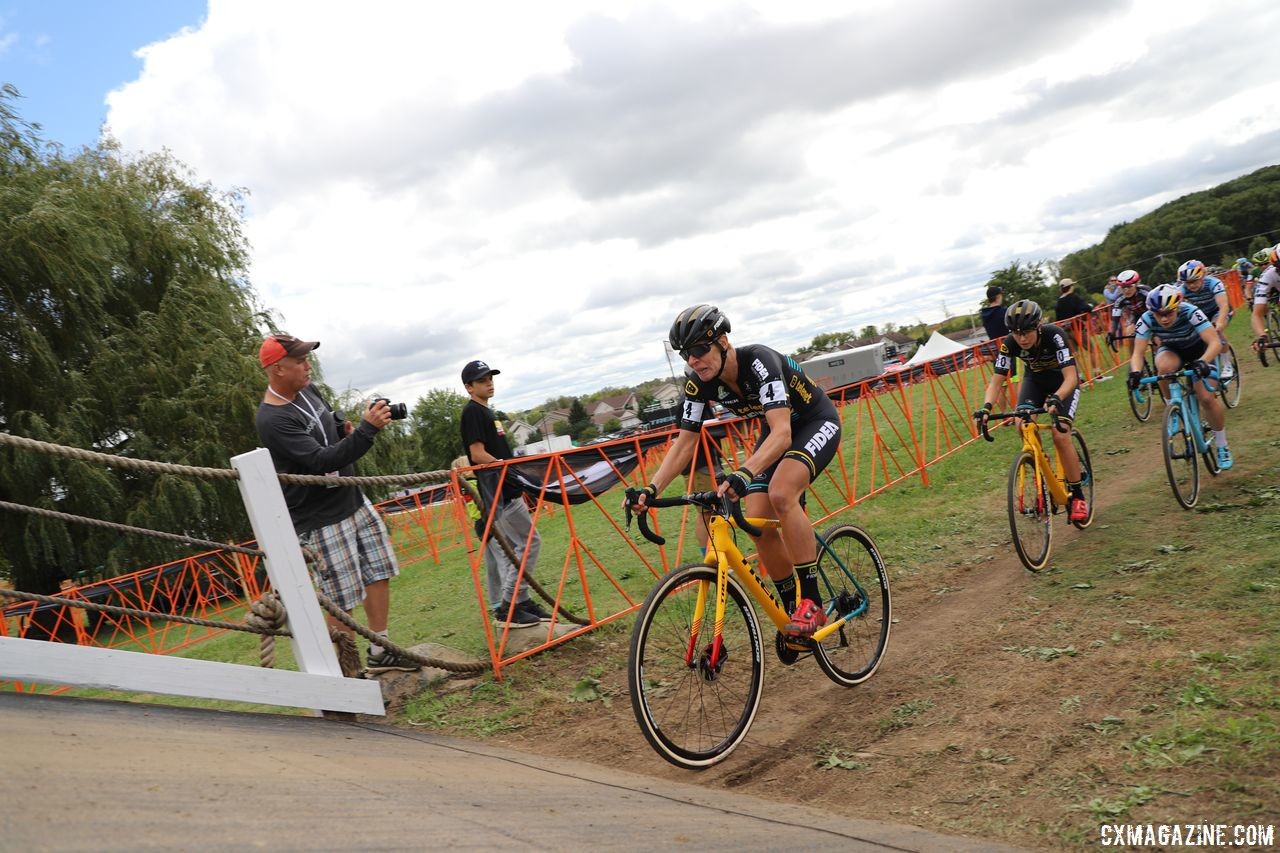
(534, 609)
(519, 619)
(1224, 458)
(808, 618)
(388, 661)
(1079, 510)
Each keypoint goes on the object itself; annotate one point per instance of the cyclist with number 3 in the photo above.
(1186, 337)
(1052, 379)
(800, 435)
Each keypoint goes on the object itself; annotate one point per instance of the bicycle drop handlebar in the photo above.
(1022, 414)
(710, 501)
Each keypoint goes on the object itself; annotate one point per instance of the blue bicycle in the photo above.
(1185, 436)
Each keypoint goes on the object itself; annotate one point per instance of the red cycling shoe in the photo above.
(808, 618)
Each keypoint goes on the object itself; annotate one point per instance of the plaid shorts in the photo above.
(356, 552)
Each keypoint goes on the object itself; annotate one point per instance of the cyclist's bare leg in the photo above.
(773, 551)
(1214, 413)
(787, 484)
(1167, 362)
(1067, 453)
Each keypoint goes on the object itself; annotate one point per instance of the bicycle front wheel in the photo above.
(1086, 474)
(1180, 456)
(1030, 513)
(695, 703)
(1140, 398)
(1229, 387)
(855, 588)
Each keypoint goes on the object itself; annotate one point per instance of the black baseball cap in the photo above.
(477, 370)
(993, 291)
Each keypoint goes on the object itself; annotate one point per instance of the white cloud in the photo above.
(544, 185)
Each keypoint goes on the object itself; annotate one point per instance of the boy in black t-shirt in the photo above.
(485, 443)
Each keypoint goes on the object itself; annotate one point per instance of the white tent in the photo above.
(937, 346)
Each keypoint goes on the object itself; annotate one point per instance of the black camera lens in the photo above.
(399, 411)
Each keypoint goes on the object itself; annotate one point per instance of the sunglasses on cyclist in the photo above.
(695, 351)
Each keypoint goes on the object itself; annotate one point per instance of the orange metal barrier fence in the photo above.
(894, 427)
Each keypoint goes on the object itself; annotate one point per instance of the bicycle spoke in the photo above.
(1030, 516)
(694, 712)
(1180, 456)
(855, 587)
(1086, 471)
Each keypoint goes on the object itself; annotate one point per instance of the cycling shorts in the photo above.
(1187, 354)
(813, 442)
(1035, 389)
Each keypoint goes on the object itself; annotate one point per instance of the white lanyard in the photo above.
(312, 414)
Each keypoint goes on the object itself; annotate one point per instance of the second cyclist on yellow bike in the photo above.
(799, 436)
(1051, 380)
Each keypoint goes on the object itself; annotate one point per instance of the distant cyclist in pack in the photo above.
(1244, 266)
(1128, 306)
(1265, 289)
(799, 437)
(1207, 293)
(1051, 380)
(1186, 338)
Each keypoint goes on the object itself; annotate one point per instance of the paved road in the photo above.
(99, 775)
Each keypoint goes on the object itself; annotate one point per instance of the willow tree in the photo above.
(126, 326)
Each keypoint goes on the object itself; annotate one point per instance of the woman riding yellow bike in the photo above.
(1051, 380)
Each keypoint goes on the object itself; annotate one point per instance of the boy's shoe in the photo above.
(1224, 458)
(520, 618)
(1079, 510)
(534, 609)
(388, 661)
(808, 618)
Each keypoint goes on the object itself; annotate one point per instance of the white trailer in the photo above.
(837, 369)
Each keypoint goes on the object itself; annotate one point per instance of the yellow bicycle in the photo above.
(1038, 488)
(696, 665)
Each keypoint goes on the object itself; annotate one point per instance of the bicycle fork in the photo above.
(710, 660)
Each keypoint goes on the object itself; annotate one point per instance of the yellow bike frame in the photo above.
(723, 554)
(1047, 473)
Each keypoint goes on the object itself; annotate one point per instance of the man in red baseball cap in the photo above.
(306, 436)
(276, 347)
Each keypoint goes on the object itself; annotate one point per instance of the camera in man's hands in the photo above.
(399, 411)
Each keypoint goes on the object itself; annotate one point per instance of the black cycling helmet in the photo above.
(1023, 316)
(701, 324)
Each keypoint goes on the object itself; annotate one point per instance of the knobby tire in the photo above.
(691, 715)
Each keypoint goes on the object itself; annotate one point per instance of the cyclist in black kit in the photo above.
(800, 436)
(1052, 379)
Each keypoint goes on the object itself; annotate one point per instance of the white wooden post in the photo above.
(319, 684)
(269, 515)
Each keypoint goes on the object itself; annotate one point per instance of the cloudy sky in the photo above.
(544, 185)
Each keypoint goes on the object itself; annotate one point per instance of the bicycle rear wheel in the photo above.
(1140, 398)
(1180, 456)
(1210, 453)
(1030, 512)
(694, 711)
(855, 586)
(1086, 471)
(1229, 388)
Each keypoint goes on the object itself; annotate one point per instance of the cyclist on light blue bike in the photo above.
(1186, 337)
(1207, 293)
